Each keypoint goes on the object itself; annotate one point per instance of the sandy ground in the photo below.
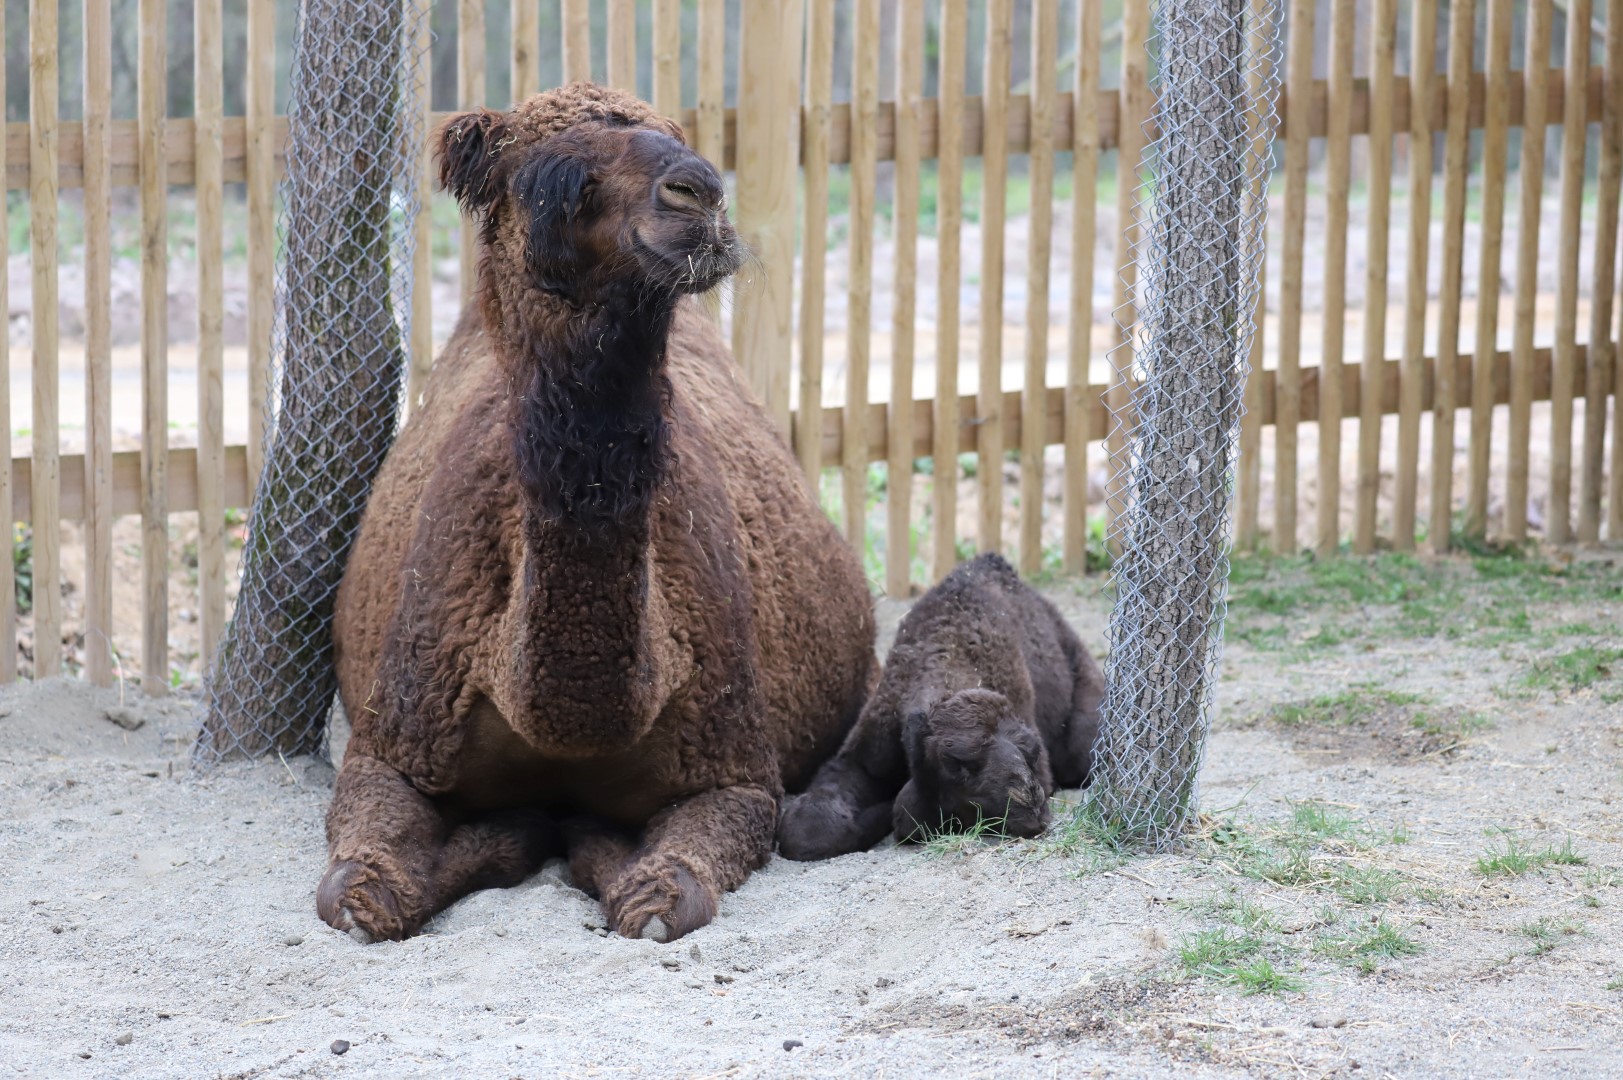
(161, 923)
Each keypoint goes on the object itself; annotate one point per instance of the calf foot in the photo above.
(658, 899)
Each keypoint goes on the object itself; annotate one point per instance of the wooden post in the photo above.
(994, 190)
(420, 359)
(1564, 357)
(526, 77)
(260, 79)
(470, 71)
(622, 45)
(1456, 167)
(1495, 152)
(1422, 54)
(949, 225)
(98, 482)
(1034, 387)
(46, 478)
(1079, 350)
(153, 86)
(667, 82)
(769, 92)
(859, 296)
(899, 468)
(1600, 361)
(1384, 29)
(1287, 401)
(814, 237)
(1536, 66)
(1338, 175)
(209, 184)
(577, 43)
(1132, 111)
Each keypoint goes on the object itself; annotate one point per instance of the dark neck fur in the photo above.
(593, 438)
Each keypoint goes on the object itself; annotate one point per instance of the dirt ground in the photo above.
(1409, 864)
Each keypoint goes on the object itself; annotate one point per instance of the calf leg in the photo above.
(494, 852)
(848, 805)
(691, 853)
(598, 852)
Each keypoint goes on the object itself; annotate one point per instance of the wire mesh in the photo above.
(1186, 334)
(355, 136)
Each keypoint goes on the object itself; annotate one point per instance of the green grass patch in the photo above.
(1351, 706)
(1508, 858)
(1234, 959)
(1576, 669)
(1368, 945)
(1548, 934)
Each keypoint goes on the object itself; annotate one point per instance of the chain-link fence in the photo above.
(1198, 257)
(355, 131)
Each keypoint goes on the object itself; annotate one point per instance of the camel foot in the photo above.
(353, 897)
(660, 902)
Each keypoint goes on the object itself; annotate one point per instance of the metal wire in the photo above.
(355, 137)
(1198, 258)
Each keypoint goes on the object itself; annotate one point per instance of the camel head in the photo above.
(975, 759)
(586, 193)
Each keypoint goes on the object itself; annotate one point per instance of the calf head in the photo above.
(973, 759)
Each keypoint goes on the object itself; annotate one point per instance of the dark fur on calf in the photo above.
(987, 702)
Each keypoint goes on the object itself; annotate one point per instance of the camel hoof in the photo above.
(359, 934)
(353, 899)
(656, 930)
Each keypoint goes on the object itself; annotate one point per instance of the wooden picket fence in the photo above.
(781, 140)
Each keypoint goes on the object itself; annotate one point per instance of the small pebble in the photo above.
(693, 984)
(340, 1046)
(671, 962)
(694, 952)
(601, 931)
(1328, 1022)
(500, 931)
(882, 982)
(723, 979)
(124, 1038)
(85, 1054)
(293, 939)
(126, 718)
(790, 1044)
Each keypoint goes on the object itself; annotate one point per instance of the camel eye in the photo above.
(683, 189)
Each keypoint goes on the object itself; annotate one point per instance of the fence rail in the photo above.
(786, 56)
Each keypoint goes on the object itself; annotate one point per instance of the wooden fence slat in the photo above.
(622, 44)
(1495, 156)
(1383, 51)
(859, 298)
(994, 191)
(98, 459)
(814, 236)
(1134, 107)
(209, 65)
(1422, 55)
(668, 57)
(899, 468)
(1300, 75)
(769, 91)
(262, 171)
(577, 39)
(1602, 358)
(1044, 31)
(1456, 169)
(470, 92)
(421, 359)
(42, 206)
(1084, 233)
(8, 581)
(1338, 186)
(152, 95)
(949, 229)
(711, 113)
(526, 69)
(1248, 479)
(1574, 133)
(1536, 65)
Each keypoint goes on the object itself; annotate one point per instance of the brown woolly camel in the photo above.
(592, 604)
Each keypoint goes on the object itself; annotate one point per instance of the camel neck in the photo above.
(592, 433)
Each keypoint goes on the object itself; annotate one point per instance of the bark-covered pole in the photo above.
(349, 199)
(1197, 278)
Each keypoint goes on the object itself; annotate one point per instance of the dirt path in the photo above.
(1375, 723)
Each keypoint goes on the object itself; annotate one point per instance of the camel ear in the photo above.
(467, 147)
(551, 185)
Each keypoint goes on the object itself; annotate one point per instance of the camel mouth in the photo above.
(696, 266)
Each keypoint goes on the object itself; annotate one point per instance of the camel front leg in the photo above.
(691, 853)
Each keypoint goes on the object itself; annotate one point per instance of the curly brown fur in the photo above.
(591, 581)
(987, 701)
